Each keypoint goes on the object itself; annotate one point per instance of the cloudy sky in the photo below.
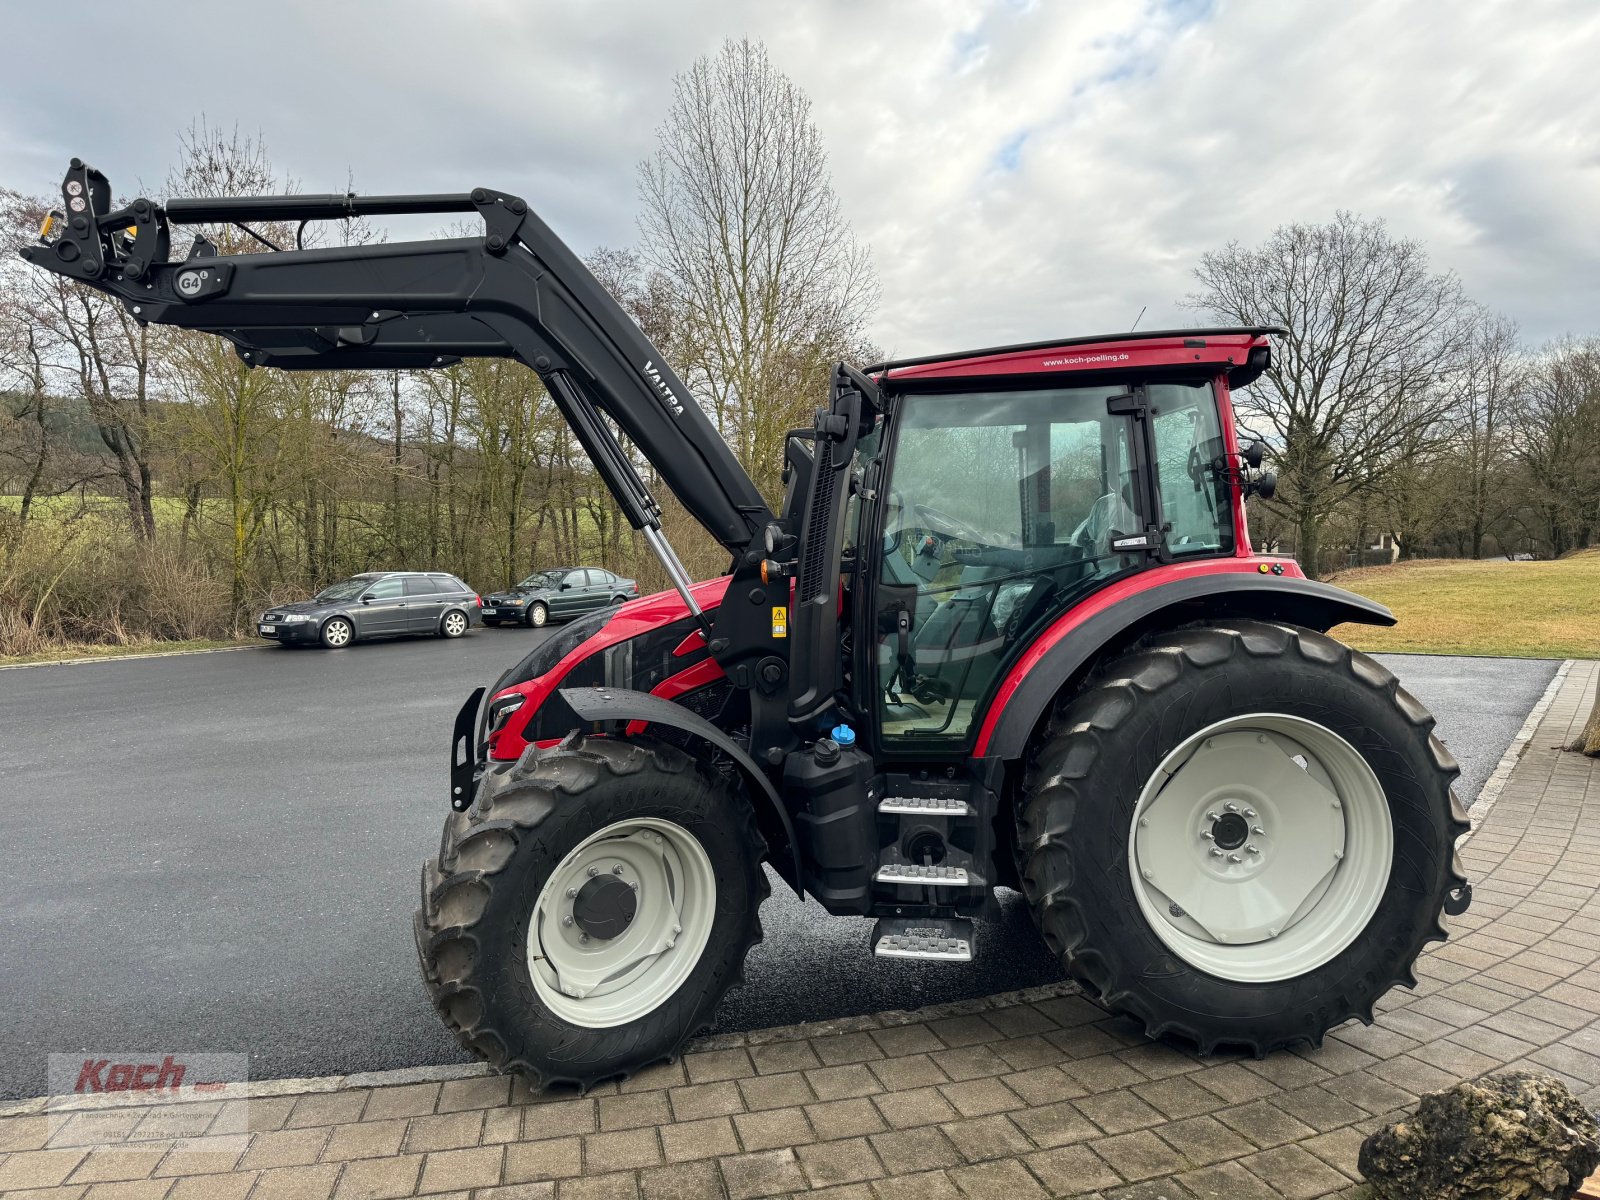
(1020, 168)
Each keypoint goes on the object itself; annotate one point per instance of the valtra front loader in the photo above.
(1007, 630)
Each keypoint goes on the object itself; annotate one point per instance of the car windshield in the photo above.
(348, 589)
(543, 579)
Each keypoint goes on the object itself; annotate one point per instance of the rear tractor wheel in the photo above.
(586, 920)
(1241, 835)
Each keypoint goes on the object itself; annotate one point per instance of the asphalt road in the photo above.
(219, 852)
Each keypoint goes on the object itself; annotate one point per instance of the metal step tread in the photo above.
(932, 939)
(922, 874)
(924, 806)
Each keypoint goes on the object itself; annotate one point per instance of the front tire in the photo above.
(337, 633)
(503, 910)
(538, 615)
(1164, 898)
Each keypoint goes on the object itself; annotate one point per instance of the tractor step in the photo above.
(922, 875)
(932, 939)
(924, 806)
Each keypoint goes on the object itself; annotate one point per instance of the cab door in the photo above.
(1000, 510)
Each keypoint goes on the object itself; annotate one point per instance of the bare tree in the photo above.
(1372, 332)
(1490, 378)
(768, 283)
(1556, 440)
(87, 345)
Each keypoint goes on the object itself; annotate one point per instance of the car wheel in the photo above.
(453, 624)
(616, 600)
(538, 615)
(337, 632)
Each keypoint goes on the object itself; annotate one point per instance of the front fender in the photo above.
(1079, 637)
(597, 704)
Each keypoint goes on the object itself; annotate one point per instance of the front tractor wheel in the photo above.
(585, 920)
(1241, 835)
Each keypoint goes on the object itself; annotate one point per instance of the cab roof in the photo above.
(1240, 350)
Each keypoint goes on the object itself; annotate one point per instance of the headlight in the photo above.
(295, 619)
(500, 710)
(517, 600)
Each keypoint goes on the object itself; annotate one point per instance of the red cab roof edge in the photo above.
(1032, 357)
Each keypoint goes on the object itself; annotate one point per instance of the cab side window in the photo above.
(386, 589)
(421, 585)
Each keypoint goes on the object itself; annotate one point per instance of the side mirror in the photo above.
(1266, 486)
(368, 598)
(1254, 453)
(566, 587)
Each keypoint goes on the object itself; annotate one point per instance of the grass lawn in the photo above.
(1457, 606)
(86, 650)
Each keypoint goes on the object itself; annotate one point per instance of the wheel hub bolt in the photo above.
(617, 870)
(1231, 806)
(567, 920)
(633, 885)
(1213, 815)
(1207, 834)
(593, 871)
(572, 893)
(1215, 853)
(1251, 813)
(1233, 858)
(583, 939)
(1252, 848)
(1257, 830)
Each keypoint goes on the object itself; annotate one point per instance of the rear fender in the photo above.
(603, 704)
(1072, 645)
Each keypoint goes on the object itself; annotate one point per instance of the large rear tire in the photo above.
(535, 954)
(1241, 834)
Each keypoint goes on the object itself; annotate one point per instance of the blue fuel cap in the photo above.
(844, 735)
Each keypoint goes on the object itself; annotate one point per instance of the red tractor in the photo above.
(1006, 629)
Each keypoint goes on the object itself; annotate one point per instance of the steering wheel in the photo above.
(946, 525)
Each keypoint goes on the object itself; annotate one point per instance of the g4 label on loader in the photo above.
(1005, 629)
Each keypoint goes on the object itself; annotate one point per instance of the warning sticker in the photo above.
(780, 622)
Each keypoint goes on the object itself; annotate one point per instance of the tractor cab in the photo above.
(1010, 485)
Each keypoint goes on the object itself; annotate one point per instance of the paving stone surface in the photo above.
(1035, 1093)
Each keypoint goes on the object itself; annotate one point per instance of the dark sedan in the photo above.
(557, 594)
(376, 604)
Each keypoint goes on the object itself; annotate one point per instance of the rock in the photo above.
(1514, 1136)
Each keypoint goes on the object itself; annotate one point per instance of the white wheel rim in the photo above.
(455, 624)
(338, 633)
(1308, 876)
(537, 614)
(597, 982)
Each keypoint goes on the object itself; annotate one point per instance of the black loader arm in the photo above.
(516, 291)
